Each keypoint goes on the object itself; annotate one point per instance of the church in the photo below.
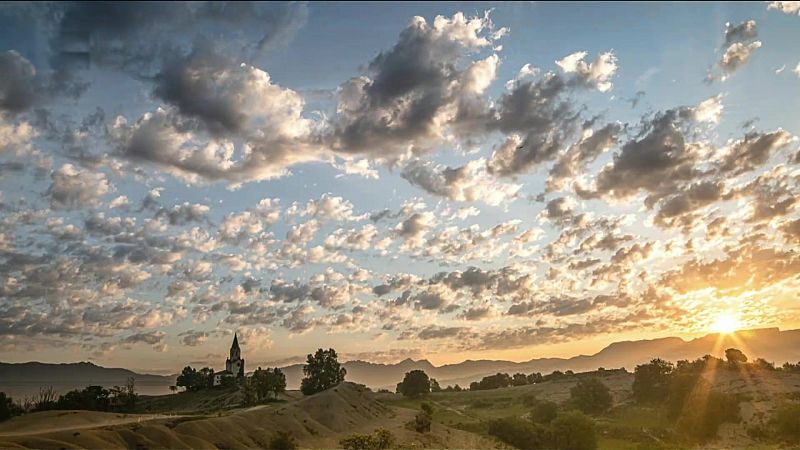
(234, 365)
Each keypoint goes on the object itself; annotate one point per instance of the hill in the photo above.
(318, 421)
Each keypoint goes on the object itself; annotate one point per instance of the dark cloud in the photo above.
(753, 151)
(19, 86)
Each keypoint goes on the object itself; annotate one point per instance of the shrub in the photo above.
(544, 412)
(381, 439)
(704, 411)
(519, 433)
(786, 420)
(8, 408)
(424, 418)
(573, 431)
(283, 440)
(591, 396)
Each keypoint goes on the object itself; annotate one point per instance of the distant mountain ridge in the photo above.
(768, 343)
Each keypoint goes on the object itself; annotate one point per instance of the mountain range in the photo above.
(771, 344)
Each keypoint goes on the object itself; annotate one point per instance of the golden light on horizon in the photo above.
(725, 323)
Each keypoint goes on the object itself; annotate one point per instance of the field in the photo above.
(213, 420)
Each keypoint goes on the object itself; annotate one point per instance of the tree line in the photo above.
(91, 398)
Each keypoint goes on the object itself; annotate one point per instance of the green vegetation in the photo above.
(570, 430)
(424, 418)
(544, 412)
(415, 383)
(195, 380)
(381, 439)
(283, 440)
(8, 408)
(322, 371)
(591, 396)
(263, 385)
(696, 410)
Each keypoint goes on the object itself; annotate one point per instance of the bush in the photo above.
(283, 440)
(591, 396)
(519, 433)
(8, 408)
(424, 418)
(704, 411)
(786, 420)
(544, 412)
(573, 431)
(381, 439)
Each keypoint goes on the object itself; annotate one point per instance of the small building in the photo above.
(234, 365)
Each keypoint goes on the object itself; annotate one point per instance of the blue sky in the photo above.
(449, 181)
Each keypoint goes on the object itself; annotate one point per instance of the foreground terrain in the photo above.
(212, 420)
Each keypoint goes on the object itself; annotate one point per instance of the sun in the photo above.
(725, 324)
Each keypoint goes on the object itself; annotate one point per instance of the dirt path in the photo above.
(95, 424)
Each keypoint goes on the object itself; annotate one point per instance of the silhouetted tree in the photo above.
(519, 379)
(415, 383)
(735, 356)
(591, 396)
(268, 383)
(651, 381)
(322, 371)
(435, 386)
(535, 377)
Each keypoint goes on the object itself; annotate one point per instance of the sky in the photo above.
(394, 180)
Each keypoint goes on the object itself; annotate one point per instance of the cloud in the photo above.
(19, 89)
(73, 187)
(739, 46)
(786, 7)
(596, 74)
(413, 229)
(752, 151)
(468, 183)
(192, 338)
(415, 90)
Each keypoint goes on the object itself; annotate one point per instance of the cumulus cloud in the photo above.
(73, 187)
(415, 90)
(468, 183)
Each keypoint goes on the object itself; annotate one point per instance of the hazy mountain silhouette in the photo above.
(768, 343)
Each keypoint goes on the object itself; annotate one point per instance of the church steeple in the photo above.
(235, 350)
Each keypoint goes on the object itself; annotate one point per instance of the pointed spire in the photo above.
(235, 341)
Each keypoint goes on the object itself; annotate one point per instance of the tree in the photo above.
(591, 396)
(735, 356)
(435, 386)
(574, 431)
(535, 377)
(414, 384)
(189, 379)
(424, 418)
(173, 389)
(519, 379)
(91, 398)
(321, 371)
(651, 381)
(268, 383)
